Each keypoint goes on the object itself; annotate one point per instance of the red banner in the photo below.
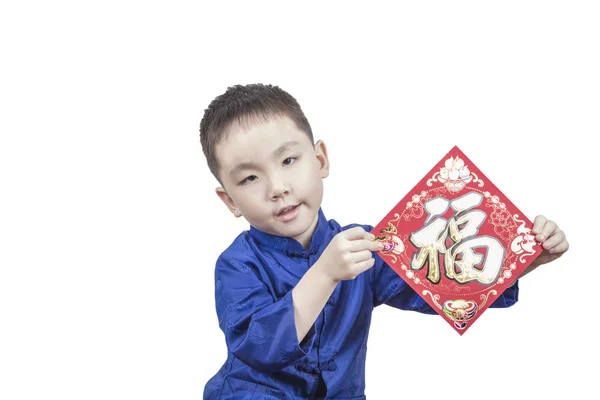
(457, 240)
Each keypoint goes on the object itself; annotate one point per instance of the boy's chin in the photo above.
(301, 226)
(291, 229)
(294, 228)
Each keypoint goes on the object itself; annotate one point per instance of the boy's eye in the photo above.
(289, 160)
(248, 179)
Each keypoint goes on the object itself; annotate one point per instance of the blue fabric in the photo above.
(254, 279)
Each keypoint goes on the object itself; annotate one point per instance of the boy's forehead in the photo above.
(258, 135)
(259, 123)
(247, 122)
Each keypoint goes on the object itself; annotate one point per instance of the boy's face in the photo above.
(272, 175)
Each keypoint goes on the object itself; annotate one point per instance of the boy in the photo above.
(295, 293)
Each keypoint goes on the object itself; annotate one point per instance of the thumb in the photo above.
(357, 233)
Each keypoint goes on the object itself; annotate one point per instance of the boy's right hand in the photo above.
(348, 254)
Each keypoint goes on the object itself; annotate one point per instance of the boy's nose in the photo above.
(278, 189)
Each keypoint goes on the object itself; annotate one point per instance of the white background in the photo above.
(110, 228)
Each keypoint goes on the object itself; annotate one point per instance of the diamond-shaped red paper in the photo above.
(457, 240)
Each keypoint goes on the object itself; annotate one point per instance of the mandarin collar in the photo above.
(290, 246)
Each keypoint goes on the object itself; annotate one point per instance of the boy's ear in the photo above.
(321, 151)
(228, 202)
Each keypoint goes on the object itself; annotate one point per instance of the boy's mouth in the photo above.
(288, 212)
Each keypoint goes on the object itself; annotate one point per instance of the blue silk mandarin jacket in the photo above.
(254, 279)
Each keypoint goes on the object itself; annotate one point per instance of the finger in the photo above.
(361, 256)
(365, 244)
(357, 233)
(560, 248)
(376, 246)
(547, 231)
(554, 241)
(364, 265)
(538, 224)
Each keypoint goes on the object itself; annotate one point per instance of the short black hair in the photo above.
(240, 103)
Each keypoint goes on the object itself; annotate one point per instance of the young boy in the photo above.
(295, 293)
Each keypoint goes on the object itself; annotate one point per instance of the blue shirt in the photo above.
(254, 279)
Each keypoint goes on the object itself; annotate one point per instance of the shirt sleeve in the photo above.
(259, 330)
(389, 288)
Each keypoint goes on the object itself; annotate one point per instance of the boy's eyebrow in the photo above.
(248, 165)
(285, 146)
(240, 167)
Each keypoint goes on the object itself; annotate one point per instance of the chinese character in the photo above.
(461, 262)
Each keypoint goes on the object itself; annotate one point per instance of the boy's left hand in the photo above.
(553, 240)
